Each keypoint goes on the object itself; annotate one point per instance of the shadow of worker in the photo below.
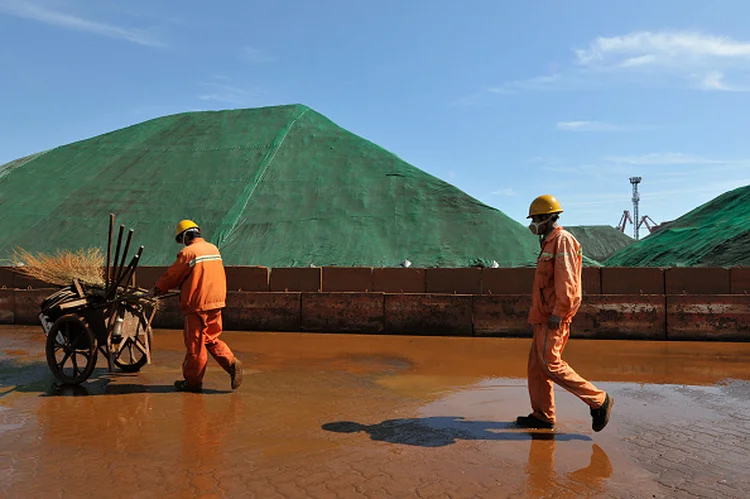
(440, 431)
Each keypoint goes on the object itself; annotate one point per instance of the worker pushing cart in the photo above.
(199, 273)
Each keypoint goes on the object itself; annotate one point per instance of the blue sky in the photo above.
(505, 100)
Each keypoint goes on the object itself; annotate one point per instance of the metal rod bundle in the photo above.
(117, 274)
(109, 249)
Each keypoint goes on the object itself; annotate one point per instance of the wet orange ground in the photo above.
(372, 416)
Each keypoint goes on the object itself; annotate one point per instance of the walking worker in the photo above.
(199, 273)
(556, 296)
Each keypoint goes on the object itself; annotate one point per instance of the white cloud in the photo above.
(715, 188)
(27, 10)
(666, 48)
(714, 80)
(622, 197)
(547, 160)
(505, 192)
(669, 58)
(590, 170)
(536, 83)
(256, 56)
(556, 82)
(588, 126)
(671, 158)
(228, 93)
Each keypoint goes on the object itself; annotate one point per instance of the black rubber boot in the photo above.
(182, 386)
(600, 416)
(532, 421)
(235, 373)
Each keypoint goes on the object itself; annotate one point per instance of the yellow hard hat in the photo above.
(183, 226)
(544, 205)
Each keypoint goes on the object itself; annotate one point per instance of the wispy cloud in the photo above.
(672, 158)
(508, 192)
(714, 80)
(549, 82)
(546, 160)
(665, 49)
(622, 197)
(716, 188)
(256, 56)
(27, 9)
(589, 170)
(228, 93)
(672, 58)
(588, 126)
(670, 164)
(154, 111)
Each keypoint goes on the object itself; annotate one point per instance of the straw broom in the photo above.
(61, 268)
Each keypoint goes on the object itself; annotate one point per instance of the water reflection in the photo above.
(543, 478)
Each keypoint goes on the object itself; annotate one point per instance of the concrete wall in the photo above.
(638, 303)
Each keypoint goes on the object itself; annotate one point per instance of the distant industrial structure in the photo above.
(634, 220)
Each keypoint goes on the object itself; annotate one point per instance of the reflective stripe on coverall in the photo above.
(199, 273)
(556, 291)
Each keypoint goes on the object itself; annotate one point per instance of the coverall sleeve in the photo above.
(175, 274)
(567, 278)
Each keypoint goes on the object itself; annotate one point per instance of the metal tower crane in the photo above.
(636, 200)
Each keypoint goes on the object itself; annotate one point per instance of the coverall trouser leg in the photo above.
(202, 330)
(547, 367)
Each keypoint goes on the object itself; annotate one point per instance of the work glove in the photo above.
(554, 322)
(152, 293)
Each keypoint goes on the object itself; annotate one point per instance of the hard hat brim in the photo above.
(548, 213)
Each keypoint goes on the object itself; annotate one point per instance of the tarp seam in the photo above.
(236, 211)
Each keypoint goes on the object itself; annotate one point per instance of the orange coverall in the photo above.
(556, 291)
(199, 273)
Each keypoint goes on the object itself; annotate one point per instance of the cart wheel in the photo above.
(129, 357)
(71, 349)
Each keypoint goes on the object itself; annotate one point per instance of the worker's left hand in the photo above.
(151, 293)
(554, 322)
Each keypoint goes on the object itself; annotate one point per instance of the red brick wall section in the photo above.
(296, 279)
(632, 281)
(251, 278)
(169, 315)
(432, 315)
(254, 311)
(697, 281)
(146, 277)
(621, 316)
(704, 317)
(7, 306)
(399, 280)
(347, 279)
(591, 281)
(507, 281)
(22, 282)
(6, 278)
(459, 281)
(740, 280)
(501, 315)
(342, 312)
(27, 303)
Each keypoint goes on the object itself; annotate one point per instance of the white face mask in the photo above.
(536, 227)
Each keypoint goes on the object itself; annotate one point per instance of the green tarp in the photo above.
(599, 242)
(278, 186)
(716, 234)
